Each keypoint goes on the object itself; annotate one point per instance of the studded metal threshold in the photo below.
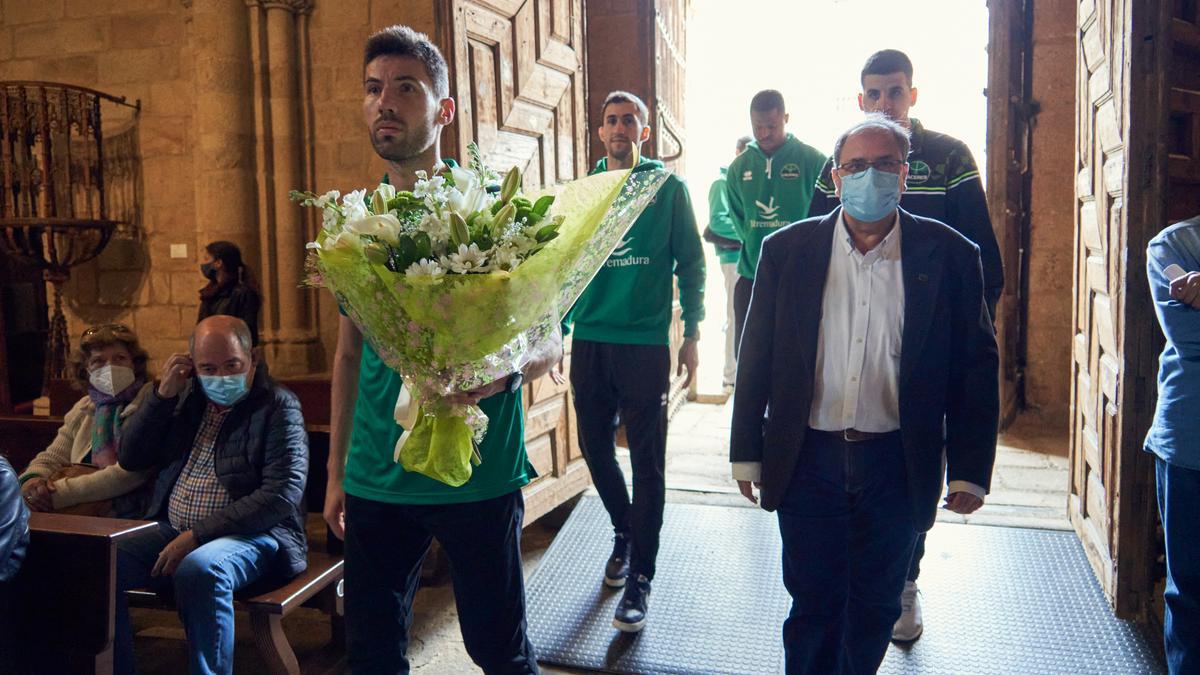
(995, 600)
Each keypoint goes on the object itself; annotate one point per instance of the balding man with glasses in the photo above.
(867, 329)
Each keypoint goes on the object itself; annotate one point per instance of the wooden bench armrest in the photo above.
(323, 569)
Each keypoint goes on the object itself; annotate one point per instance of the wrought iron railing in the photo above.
(53, 210)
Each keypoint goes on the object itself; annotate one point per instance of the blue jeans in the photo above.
(385, 546)
(1178, 504)
(203, 587)
(848, 536)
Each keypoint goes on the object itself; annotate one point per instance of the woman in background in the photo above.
(231, 287)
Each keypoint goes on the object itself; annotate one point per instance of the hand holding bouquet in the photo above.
(456, 282)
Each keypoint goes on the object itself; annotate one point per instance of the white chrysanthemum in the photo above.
(466, 259)
(425, 268)
(505, 258)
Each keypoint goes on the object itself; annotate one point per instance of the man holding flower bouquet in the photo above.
(621, 359)
(389, 515)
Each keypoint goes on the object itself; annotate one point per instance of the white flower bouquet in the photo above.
(455, 282)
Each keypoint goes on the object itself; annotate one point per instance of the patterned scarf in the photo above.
(106, 423)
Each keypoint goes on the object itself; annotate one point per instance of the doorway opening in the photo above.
(768, 44)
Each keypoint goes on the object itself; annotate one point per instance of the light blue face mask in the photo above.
(870, 195)
(225, 390)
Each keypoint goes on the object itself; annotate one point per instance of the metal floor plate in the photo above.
(996, 600)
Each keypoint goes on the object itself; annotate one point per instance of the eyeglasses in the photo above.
(114, 329)
(854, 166)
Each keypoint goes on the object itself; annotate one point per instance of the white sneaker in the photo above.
(909, 626)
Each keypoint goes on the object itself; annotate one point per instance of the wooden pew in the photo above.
(320, 585)
(66, 591)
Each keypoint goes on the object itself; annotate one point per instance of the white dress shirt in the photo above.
(857, 383)
(858, 342)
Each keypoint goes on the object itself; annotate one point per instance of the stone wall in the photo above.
(1051, 240)
(240, 101)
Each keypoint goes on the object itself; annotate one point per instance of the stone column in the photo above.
(224, 167)
(290, 336)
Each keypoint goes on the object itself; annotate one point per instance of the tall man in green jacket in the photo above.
(621, 360)
(768, 186)
(722, 234)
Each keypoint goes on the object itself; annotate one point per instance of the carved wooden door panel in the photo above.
(516, 73)
(1120, 196)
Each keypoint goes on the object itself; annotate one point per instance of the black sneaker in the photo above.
(617, 567)
(630, 616)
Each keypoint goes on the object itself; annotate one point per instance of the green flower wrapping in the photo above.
(447, 332)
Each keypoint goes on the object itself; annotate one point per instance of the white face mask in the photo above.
(111, 379)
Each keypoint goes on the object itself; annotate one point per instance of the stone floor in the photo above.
(1029, 490)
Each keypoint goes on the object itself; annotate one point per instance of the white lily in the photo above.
(387, 191)
(468, 195)
(342, 241)
(384, 226)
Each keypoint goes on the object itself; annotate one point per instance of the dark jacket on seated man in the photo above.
(14, 523)
(260, 457)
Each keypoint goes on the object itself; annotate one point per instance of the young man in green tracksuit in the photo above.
(388, 516)
(621, 359)
(722, 234)
(768, 186)
(943, 183)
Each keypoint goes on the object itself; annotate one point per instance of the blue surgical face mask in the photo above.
(225, 390)
(870, 195)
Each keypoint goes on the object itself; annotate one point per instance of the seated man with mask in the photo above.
(234, 457)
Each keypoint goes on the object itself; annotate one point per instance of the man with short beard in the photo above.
(621, 356)
(389, 516)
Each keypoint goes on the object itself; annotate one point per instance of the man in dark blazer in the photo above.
(867, 375)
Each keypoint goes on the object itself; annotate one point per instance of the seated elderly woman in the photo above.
(79, 471)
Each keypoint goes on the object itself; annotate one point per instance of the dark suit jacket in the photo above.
(948, 359)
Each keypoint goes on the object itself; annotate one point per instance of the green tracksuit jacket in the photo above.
(766, 193)
(719, 221)
(630, 299)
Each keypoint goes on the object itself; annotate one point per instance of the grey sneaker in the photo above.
(630, 616)
(909, 626)
(617, 567)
